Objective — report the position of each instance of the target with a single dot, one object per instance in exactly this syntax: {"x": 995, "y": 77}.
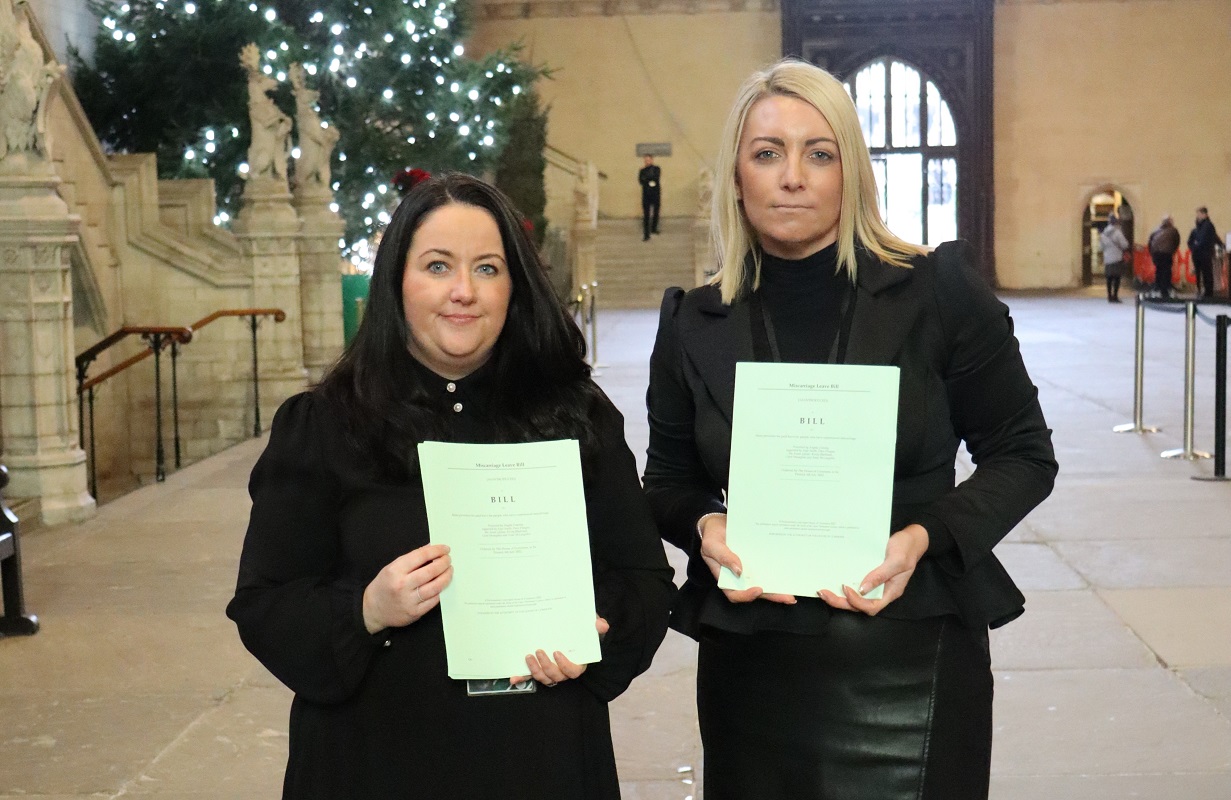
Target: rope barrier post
{"x": 81, "y": 373}
{"x": 160, "y": 455}
{"x": 1187, "y": 453}
{"x": 595, "y": 364}
{"x": 93, "y": 464}
{"x": 175, "y": 398}
{"x": 256, "y": 384}
{"x": 1136, "y": 425}
{"x": 1220, "y": 402}
{"x": 579, "y": 307}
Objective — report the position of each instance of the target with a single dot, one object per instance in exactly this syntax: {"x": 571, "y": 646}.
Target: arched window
{"x": 913, "y": 141}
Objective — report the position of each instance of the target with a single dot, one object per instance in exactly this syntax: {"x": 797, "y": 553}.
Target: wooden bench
{"x": 15, "y": 622}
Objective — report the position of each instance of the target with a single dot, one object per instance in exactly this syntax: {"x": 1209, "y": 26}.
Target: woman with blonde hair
{"x": 843, "y": 696}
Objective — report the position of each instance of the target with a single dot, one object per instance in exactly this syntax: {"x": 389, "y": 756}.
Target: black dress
{"x": 376, "y": 716}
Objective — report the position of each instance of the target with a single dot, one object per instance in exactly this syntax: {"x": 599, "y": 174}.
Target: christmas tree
{"x": 392, "y": 76}
{"x": 519, "y": 171}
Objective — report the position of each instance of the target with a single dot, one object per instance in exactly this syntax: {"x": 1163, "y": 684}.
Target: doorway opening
{"x": 1098, "y": 210}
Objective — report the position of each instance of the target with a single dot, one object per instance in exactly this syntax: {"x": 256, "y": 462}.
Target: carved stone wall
{"x": 268, "y": 230}
{"x": 320, "y": 285}
{"x": 38, "y": 427}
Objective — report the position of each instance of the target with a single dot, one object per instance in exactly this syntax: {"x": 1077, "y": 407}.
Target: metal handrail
{"x": 278, "y": 314}
{"x": 571, "y": 164}
{"x": 158, "y": 338}
{"x": 87, "y": 356}
{"x": 253, "y": 315}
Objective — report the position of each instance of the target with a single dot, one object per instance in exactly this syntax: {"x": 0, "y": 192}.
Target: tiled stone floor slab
{"x": 655, "y": 729}
{"x": 106, "y": 541}
{"x": 1169, "y": 560}
{"x": 1036, "y": 566}
{"x": 1067, "y": 630}
{"x": 124, "y": 653}
{"x": 655, "y": 790}
{"x": 1212, "y": 683}
{"x": 1131, "y": 508}
{"x": 1171, "y": 786}
{"x": 82, "y": 743}
{"x": 144, "y": 588}
{"x": 1105, "y": 721}
{"x": 239, "y": 746}
{"x": 1185, "y": 627}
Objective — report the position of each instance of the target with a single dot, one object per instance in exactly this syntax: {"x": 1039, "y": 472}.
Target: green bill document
{"x": 811, "y": 481}
{"x": 514, "y": 517}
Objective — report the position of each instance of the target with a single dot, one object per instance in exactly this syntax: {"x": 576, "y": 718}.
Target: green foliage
{"x": 166, "y": 78}
{"x": 519, "y": 170}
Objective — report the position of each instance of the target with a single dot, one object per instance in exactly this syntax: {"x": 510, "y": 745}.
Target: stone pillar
{"x": 584, "y": 239}
{"x": 268, "y": 230}
{"x": 38, "y": 398}
{"x": 704, "y": 259}
{"x": 320, "y": 280}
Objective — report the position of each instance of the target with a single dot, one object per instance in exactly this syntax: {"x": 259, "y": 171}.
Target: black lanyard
{"x": 765, "y": 342}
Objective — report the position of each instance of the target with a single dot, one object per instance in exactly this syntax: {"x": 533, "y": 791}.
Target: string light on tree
{"x": 382, "y": 69}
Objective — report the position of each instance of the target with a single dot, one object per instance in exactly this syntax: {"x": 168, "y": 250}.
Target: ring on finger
{"x": 419, "y": 595}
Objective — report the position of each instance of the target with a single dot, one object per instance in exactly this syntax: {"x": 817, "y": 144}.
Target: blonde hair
{"x": 859, "y": 221}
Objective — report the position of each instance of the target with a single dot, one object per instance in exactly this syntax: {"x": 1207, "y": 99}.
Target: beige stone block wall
{"x": 1135, "y": 95}
{"x": 621, "y": 80}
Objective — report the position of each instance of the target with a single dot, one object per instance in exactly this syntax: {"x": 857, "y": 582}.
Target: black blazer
{"x": 962, "y": 379}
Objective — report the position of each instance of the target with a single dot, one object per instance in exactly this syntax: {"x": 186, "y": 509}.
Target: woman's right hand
{"x": 407, "y": 588}
{"x": 716, "y": 554}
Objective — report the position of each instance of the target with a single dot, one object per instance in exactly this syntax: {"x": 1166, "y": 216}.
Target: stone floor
{"x": 1115, "y": 684}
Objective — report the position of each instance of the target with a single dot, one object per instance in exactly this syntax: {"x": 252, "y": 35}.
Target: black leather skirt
{"x": 872, "y": 709}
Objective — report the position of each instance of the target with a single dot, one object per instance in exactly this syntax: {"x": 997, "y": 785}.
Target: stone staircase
{"x": 633, "y": 273}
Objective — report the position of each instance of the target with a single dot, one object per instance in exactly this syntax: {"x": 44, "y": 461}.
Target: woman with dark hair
{"x": 842, "y": 696}
{"x": 463, "y": 340}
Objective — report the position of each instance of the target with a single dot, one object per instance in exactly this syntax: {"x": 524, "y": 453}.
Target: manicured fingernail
{"x": 864, "y": 589}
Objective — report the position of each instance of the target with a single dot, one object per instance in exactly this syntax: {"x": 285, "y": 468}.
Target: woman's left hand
{"x": 902, "y": 554}
{"x": 548, "y": 672}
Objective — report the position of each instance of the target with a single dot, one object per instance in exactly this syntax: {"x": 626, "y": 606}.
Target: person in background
{"x": 1201, "y": 242}
{"x": 1115, "y": 256}
{"x": 840, "y": 696}
{"x": 650, "y": 178}
{"x": 338, "y": 591}
{"x": 1163, "y": 243}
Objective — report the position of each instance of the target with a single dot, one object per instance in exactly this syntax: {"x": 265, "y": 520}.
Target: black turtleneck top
{"x": 802, "y": 300}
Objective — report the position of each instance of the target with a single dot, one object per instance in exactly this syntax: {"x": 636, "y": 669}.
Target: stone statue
{"x": 271, "y": 129}
{"x": 705, "y": 193}
{"x": 25, "y": 80}
{"x": 316, "y": 139}
{"x": 585, "y": 195}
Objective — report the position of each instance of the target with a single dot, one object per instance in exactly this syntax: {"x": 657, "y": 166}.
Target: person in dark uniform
{"x": 1201, "y": 244}
{"x": 650, "y": 178}
{"x": 464, "y": 340}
